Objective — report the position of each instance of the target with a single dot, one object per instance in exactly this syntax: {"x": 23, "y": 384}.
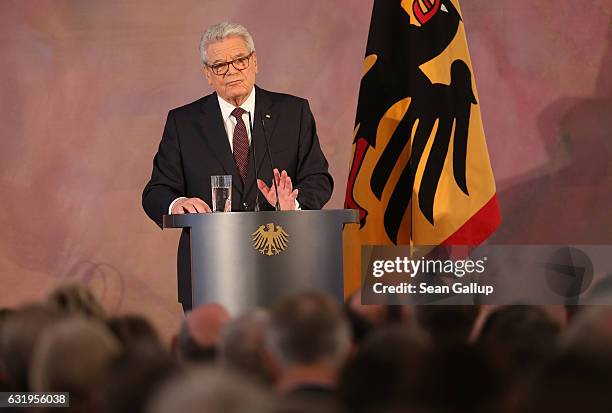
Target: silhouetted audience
{"x": 382, "y": 375}
{"x": 133, "y": 330}
{"x": 458, "y": 378}
{"x": 71, "y": 356}
{"x": 4, "y": 385}
{"x": 134, "y": 377}
{"x": 198, "y": 338}
{"x": 301, "y": 357}
{"x": 574, "y": 381}
{"x": 209, "y": 391}
{"x": 522, "y": 337}
{"x": 447, "y": 324}
{"x": 77, "y": 299}
{"x": 308, "y": 341}
{"x": 365, "y": 319}
{"x": 242, "y": 346}
{"x": 20, "y": 333}
{"x": 590, "y": 331}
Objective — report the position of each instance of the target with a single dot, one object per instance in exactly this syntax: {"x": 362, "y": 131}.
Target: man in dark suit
{"x": 212, "y": 136}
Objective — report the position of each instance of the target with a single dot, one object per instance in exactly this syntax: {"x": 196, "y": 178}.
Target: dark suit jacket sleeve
{"x": 167, "y": 181}
{"x": 313, "y": 180}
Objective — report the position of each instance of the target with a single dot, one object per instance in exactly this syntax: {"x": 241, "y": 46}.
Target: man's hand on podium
{"x": 286, "y": 194}
{"x": 190, "y": 206}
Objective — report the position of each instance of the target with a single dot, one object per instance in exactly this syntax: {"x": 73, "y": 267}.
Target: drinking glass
{"x": 221, "y": 193}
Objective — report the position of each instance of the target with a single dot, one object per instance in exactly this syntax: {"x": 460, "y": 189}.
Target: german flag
{"x": 420, "y": 171}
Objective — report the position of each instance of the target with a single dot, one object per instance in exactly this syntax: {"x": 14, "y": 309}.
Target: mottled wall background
{"x": 85, "y": 87}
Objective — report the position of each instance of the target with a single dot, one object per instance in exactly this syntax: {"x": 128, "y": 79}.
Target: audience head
{"x": 524, "y": 336}
{"x": 298, "y": 405}
{"x": 77, "y": 299}
{"x": 458, "y": 378}
{"x": 210, "y": 391}
{"x": 70, "y": 357}
{"x": 601, "y": 291}
{"x": 307, "y": 329}
{"x": 381, "y": 376}
{"x": 364, "y": 319}
{"x": 599, "y": 294}
{"x": 521, "y": 361}
{"x": 4, "y": 313}
{"x": 574, "y": 381}
{"x": 133, "y": 330}
{"x": 590, "y": 331}
{"x": 134, "y": 378}
{"x": 242, "y": 345}
{"x": 199, "y": 335}
{"x": 447, "y": 324}
{"x": 20, "y": 332}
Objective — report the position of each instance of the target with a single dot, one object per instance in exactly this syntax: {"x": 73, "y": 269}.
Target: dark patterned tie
{"x": 240, "y": 141}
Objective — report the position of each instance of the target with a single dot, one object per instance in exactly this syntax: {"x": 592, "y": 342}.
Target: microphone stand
{"x": 263, "y": 126}
{"x": 256, "y": 209}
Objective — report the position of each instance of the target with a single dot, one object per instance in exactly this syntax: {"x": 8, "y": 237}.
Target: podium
{"x": 252, "y": 259}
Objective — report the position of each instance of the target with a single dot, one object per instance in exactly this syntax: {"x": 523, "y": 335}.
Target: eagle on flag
{"x": 420, "y": 171}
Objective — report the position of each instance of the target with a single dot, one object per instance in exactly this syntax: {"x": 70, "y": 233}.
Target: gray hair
{"x": 70, "y": 356}
{"x": 308, "y": 328}
{"x": 221, "y": 31}
{"x": 242, "y": 343}
{"x": 208, "y": 390}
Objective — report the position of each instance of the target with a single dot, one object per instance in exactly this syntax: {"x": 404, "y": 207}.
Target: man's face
{"x": 235, "y": 85}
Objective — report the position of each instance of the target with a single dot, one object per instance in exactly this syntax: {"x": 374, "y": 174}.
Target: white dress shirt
{"x": 230, "y": 122}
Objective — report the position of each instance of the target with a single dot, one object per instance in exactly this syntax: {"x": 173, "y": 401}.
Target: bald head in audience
{"x": 200, "y": 331}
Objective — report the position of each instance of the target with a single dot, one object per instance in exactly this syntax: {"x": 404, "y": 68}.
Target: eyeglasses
{"x": 239, "y": 64}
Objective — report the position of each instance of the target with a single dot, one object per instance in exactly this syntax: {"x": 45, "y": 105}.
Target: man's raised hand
{"x": 286, "y": 194}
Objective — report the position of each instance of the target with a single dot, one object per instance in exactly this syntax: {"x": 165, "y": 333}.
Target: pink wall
{"x": 86, "y": 86}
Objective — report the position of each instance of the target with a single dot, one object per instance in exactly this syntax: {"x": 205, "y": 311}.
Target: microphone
{"x": 263, "y": 126}
{"x": 256, "y": 209}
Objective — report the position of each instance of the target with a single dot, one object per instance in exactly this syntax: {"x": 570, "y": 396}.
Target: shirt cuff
{"x": 180, "y": 197}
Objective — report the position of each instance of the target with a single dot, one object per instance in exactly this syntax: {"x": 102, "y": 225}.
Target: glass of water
{"x": 221, "y": 193}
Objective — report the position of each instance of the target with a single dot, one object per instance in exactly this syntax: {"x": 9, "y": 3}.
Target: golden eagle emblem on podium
{"x": 270, "y": 239}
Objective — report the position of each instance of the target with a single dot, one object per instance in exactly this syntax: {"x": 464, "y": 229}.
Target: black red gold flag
{"x": 420, "y": 171}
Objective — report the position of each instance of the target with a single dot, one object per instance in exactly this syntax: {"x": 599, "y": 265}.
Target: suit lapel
{"x": 263, "y": 110}
{"x": 215, "y": 135}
